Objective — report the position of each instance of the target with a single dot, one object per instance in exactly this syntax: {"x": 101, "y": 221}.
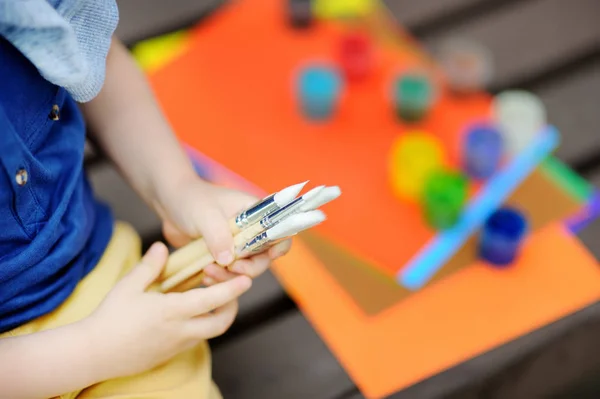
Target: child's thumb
{"x": 150, "y": 267}
{"x": 214, "y": 227}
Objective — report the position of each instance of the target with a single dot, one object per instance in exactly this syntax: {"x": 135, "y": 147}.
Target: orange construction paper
{"x": 231, "y": 97}
{"x": 453, "y": 320}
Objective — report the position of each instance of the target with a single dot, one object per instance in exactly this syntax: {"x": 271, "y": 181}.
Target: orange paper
{"x": 451, "y": 321}
{"x": 231, "y": 97}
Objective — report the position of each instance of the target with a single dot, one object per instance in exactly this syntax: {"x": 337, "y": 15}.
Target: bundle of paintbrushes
{"x": 269, "y": 221}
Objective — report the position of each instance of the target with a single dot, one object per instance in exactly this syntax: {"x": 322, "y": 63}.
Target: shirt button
{"x": 21, "y": 177}
{"x": 55, "y": 113}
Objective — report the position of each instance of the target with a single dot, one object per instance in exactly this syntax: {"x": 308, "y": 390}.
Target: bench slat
{"x": 572, "y": 103}
{"x": 412, "y": 13}
{"x": 283, "y": 359}
{"x": 528, "y": 38}
{"x": 141, "y": 19}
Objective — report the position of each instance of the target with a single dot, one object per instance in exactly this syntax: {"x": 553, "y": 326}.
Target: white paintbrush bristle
{"x": 311, "y": 194}
{"x": 295, "y": 223}
{"x": 324, "y": 196}
{"x": 287, "y": 195}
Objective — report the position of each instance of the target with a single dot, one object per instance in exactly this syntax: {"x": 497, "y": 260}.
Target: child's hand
{"x": 202, "y": 209}
{"x": 137, "y": 330}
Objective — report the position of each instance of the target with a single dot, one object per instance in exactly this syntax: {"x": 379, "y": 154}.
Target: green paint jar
{"x": 444, "y": 198}
{"x": 413, "y": 96}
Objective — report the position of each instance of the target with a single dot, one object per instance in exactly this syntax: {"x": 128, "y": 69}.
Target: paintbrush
{"x": 320, "y": 196}
{"x": 286, "y": 228}
{"x": 265, "y": 206}
{"x": 245, "y": 219}
{"x": 311, "y": 200}
{"x": 198, "y": 249}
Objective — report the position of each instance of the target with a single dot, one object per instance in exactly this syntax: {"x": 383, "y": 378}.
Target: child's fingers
{"x": 213, "y": 324}
{"x": 149, "y": 268}
{"x": 253, "y": 266}
{"x": 199, "y": 301}
{"x": 174, "y": 236}
{"x": 218, "y": 273}
{"x": 214, "y": 226}
{"x": 280, "y": 249}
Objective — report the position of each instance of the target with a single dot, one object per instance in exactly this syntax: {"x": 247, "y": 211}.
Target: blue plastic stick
{"x": 442, "y": 247}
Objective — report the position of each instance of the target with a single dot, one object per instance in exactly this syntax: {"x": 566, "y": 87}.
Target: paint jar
{"x": 413, "y": 157}
{"x": 356, "y": 55}
{"x": 482, "y": 151}
{"x": 520, "y": 116}
{"x": 300, "y": 13}
{"x": 319, "y": 89}
{"x": 444, "y": 197}
{"x": 467, "y": 65}
{"x": 413, "y": 96}
{"x": 502, "y": 236}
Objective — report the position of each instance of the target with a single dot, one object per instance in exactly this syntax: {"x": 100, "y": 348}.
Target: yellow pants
{"x": 186, "y": 376}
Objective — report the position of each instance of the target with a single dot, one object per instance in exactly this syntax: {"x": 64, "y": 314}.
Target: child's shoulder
{"x": 67, "y": 40}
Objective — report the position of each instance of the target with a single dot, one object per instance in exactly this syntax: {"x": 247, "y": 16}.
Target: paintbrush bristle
{"x": 324, "y": 196}
{"x": 311, "y": 194}
{"x": 287, "y": 195}
{"x": 295, "y": 223}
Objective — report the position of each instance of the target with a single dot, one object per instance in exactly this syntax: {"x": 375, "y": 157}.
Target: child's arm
{"x": 128, "y": 125}
{"x": 131, "y": 331}
{"x": 49, "y": 363}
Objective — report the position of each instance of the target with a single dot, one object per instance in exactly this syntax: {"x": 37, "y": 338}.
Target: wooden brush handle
{"x": 190, "y": 252}
{"x": 194, "y": 257}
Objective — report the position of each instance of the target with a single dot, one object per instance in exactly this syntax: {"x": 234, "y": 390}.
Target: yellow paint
{"x": 152, "y": 54}
{"x": 343, "y": 8}
{"x": 413, "y": 157}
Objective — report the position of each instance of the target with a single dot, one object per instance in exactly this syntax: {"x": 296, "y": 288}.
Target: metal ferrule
{"x": 272, "y": 219}
{"x": 256, "y": 212}
{"x": 250, "y": 246}
{"x": 248, "y": 250}
{"x": 269, "y": 244}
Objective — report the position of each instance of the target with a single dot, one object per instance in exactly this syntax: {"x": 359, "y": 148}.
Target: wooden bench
{"x": 551, "y": 47}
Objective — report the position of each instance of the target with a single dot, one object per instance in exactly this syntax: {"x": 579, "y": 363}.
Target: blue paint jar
{"x": 502, "y": 236}
{"x": 319, "y": 89}
{"x": 482, "y": 151}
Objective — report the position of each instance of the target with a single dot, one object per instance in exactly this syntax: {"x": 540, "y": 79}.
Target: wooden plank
{"x": 553, "y": 367}
{"x": 414, "y": 14}
{"x": 282, "y": 359}
{"x": 264, "y": 292}
{"x": 537, "y": 365}
{"x": 572, "y": 103}
{"x": 529, "y": 38}
{"x": 140, "y": 19}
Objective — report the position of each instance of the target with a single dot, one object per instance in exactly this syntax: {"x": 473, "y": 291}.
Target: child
{"x": 76, "y": 319}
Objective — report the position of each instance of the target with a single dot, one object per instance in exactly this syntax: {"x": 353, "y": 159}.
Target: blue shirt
{"x": 52, "y": 229}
